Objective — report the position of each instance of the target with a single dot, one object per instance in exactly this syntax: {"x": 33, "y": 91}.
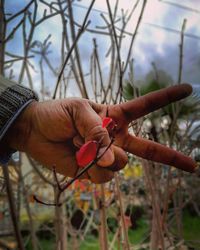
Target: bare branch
{"x": 35, "y": 167}
{"x": 116, "y": 40}
{"x": 181, "y": 52}
{"x": 10, "y": 36}
{"x": 84, "y": 25}
{"x": 24, "y": 10}
{"x": 12, "y": 208}
{"x": 134, "y": 35}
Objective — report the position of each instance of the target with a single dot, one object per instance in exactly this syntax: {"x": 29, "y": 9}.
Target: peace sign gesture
{"x": 53, "y": 131}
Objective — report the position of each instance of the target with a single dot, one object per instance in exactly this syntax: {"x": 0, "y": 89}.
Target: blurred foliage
{"x": 156, "y": 81}
{"x": 133, "y": 171}
{"x": 191, "y": 227}
{"x": 128, "y": 91}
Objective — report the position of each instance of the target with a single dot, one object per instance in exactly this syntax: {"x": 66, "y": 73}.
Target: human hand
{"x": 51, "y": 132}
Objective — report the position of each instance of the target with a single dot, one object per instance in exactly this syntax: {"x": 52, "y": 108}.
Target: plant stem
{"x": 12, "y": 208}
{"x": 103, "y": 225}
{"x": 124, "y": 229}
{"x": 81, "y": 30}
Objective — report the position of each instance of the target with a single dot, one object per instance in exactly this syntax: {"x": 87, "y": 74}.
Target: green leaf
{"x": 128, "y": 91}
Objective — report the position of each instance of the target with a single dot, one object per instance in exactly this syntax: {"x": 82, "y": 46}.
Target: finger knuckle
{"x": 96, "y": 133}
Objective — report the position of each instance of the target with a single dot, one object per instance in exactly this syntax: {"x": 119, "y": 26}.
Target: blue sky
{"x": 156, "y": 41}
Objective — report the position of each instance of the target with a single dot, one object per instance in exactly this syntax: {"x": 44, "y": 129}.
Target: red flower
{"x": 86, "y": 154}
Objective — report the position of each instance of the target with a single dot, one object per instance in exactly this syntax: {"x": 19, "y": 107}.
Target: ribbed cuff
{"x": 12, "y": 101}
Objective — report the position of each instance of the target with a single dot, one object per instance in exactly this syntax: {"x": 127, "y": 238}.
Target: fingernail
{"x": 107, "y": 159}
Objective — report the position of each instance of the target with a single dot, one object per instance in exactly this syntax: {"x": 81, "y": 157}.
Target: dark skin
{"x": 51, "y": 132}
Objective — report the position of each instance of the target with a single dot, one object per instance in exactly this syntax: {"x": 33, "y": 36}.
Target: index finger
{"x": 153, "y": 101}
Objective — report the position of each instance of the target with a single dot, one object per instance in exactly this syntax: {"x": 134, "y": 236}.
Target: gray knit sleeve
{"x": 13, "y": 99}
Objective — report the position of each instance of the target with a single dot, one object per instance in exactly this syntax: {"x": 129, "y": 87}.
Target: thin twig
{"x": 81, "y": 30}
{"x": 111, "y": 73}
{"x": 76, "y": 48}
{"x": 68, "y": 183}
{"x": 20, "y": 12}
{"x": 12, "y": 33}
{"x": 56, "y": 178}
{"x": 98, "y": 65}
{"x": 12, "y": 208}
{"x": 181, "y": 51}
{"x": 65, "y": 41}
{"x": 27, "y": 40}
{"x": 88, "y": 166}
{"x": 3, "y": 27}
{"x": 116, "y": 43}
{"x": 34, "y": 165}
{"x": 134, "y": 35}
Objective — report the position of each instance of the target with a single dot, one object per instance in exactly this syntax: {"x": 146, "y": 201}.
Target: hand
{"x": 51, "y": 132}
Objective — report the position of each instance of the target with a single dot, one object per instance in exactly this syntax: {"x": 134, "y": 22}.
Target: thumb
{"x": 89, "y": 125}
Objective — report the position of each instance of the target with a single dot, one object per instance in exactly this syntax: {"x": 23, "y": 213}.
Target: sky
{"x": 157, "y": 41}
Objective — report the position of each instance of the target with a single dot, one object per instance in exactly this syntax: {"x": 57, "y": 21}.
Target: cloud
{"x": 153, "y": 43}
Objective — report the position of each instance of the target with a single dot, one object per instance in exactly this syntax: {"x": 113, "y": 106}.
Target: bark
{"x": 60, "y": 226}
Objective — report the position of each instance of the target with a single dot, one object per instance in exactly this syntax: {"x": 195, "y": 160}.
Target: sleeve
{"x": 13, "y": 99}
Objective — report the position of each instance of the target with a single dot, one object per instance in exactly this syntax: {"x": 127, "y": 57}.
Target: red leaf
{"x": 106, "y": 122}
{"x": 86, "y": 153}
